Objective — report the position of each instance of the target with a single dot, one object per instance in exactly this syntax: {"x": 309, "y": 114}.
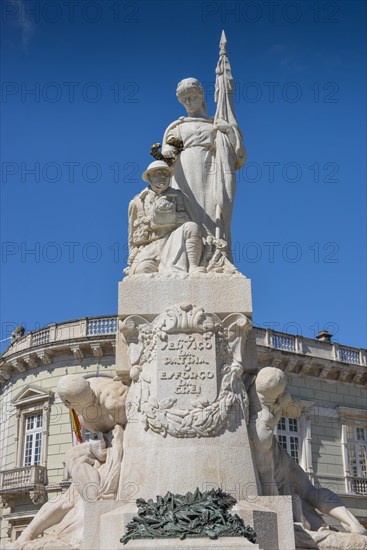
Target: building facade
{"x": 329, "y": 440}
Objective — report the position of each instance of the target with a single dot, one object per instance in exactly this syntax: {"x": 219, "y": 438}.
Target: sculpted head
{"x": 271, "y": 383}
{"x": 191, "y": 94}
{"x": 158, "y": 174}
{"x": 74, "y": 391}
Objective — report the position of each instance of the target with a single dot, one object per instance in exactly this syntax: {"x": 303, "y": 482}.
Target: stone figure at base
{"x": 281, "y": 475}
{"x": 162, "y": 235}
{"x": 92, "y": 466}
{"x": 292, "y": 479}
{"x": 270, "y": 401}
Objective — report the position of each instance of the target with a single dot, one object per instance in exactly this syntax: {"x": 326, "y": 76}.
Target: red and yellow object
{"x": 77, "y": 427}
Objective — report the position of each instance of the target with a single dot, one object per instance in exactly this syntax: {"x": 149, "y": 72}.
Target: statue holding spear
{"x": 230, "y": 152}
{"x": 205, "y": 151}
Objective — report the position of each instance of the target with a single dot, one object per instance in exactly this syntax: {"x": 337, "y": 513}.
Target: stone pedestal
{"x": 111, "y": 526}
{"x": 184, "y": 343}
{"x": 272, "y": 520}
{"x": 270, "y": 517}
{"x": 94, "y": 532}
{"x": 223, "y": 543}
{"x": 187, "y": 345}
{"x": 149, "y": 296}
{"x": 153, "y": 465}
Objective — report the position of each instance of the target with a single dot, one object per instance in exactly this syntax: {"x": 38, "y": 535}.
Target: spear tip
{"x": 223, "y": 42}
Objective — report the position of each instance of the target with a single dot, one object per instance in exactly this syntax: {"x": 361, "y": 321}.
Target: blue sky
{"x": 104, "y": 75}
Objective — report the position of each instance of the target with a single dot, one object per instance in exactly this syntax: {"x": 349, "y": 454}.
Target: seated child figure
{"x": 162, "y": 236}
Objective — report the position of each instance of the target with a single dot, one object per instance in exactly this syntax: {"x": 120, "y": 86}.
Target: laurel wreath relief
{"x": 204, "y": 419}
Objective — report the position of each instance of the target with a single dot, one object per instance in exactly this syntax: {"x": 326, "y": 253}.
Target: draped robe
{"x": 205, "y": 169}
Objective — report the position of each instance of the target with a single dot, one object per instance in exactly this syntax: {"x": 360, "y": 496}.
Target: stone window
{"x": 357, "y": 446}
{"x": 294, "y": 435}
{"x": 33, "y": 439}
{"x": 32, "y": 407}
{"x": 354, "y": 449}
{"x": 289, "y": 437}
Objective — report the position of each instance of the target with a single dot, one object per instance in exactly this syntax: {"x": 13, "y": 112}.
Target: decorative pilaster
{"x": 345, "y": 454}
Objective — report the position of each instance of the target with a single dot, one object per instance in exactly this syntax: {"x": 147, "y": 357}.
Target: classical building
{"x": 329, "y": 441}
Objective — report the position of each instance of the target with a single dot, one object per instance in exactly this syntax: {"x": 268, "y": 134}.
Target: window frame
{"x": 352, "y": 419}
{"x": 32, "y": 433}
{"x": 290, "y": 434}
{"x": 32, "y": 400}
{"x": 358, "y": 468}
{"x": 305, "y": 437}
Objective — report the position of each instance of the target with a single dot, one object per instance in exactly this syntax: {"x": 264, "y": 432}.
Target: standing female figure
{"x": 203, "y": 171}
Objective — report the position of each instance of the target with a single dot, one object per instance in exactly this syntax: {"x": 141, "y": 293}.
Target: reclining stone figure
{"x": 280, "y": 474}
{"x": 92, "y": 466}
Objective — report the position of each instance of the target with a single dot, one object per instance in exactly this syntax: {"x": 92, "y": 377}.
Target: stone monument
{"x": 189, "y": 419}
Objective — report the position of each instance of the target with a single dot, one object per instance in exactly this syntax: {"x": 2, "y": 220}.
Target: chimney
{"x": 324, "y": 336}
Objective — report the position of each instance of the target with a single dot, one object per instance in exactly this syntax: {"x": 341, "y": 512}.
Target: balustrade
{"x": 106, "y": 325}
{"x": 359, "y": 485}
{"x": 287, "y": 343}
{"x": 20, "y": 478}
{"x": 349, "y": 356}
{"x": 307, "y": 346}
{"x": 41, "y": 337}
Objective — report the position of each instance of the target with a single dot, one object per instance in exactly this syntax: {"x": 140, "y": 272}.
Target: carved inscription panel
{"x": 186, "y": 368}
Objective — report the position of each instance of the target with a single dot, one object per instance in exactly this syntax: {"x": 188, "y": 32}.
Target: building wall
{"x": 326, "y": 431}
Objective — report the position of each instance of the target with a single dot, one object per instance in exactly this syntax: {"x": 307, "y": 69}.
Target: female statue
{"x": 211, "y": 151}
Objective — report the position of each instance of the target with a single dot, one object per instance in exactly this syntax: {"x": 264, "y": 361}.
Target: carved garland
{"x": 204, "y": 419}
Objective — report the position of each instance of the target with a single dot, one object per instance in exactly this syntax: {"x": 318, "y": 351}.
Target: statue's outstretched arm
{"x": 49, "y": 515}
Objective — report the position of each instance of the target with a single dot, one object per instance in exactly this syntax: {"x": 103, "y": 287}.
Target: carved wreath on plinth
{"x": 202, "y": 418}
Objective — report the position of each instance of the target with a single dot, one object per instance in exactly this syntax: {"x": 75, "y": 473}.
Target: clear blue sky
{"x": 104, "y": 75}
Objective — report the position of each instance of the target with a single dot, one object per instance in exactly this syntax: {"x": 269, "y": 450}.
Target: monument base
{"x": 150, "y": 294}
{"x": 94, "y": 533}
{"x": 272, "y": 520}
{"x": 270, "y": 517}
{"x": 187, "y": 345}
{"x": 202, "y": 462}
{"x": 223, "y": 543}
